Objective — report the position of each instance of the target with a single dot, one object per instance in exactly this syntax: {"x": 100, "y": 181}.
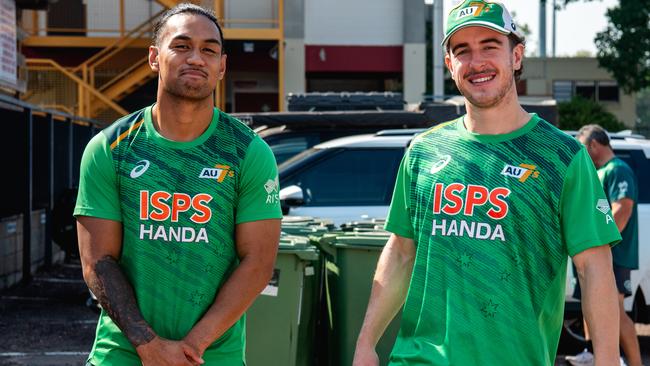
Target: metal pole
{"x": 27, "y": 209}
{"x": 554, "y": 26}
{"x": 281, "y": 99}
{"x": 50, "y": 193}
{"x": 542, "y": 28}
{"x": 438, "y": 68}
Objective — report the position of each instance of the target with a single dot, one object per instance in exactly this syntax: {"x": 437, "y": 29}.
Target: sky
{"x": 577, "y": 23}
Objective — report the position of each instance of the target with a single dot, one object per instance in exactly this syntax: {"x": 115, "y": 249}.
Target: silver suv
{"x": 347, "y": 179}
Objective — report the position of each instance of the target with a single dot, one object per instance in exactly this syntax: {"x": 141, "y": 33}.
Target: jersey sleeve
{"x": 621, "y": 184}
{"x": 259, "y": 186}
{"x": 399, "y": 214}
{"x": 585, "y": 215}
{"x": 98, "y": 193}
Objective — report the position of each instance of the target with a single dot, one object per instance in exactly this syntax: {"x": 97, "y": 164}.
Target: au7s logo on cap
{"x": 474, "y": 9}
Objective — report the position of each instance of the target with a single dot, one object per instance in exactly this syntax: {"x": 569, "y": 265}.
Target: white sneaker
{"x": 623, "y": 362}
{"x": 584, "y": 358}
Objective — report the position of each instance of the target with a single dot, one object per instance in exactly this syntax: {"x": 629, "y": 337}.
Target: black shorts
{"x": 623, "y": 282}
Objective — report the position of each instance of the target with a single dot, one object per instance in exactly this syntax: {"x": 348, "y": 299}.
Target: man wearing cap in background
{"x": 485, "y": 211}
{"x": 620, "y": 186}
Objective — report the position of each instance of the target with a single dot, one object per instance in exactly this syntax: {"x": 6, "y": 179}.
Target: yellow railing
{"x": 122, "y": 66}
{"x": 53, "y": 85}
{"x": 34, "y": 23}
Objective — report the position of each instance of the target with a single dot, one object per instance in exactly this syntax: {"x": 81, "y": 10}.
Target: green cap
{"x": 480, "y": 13}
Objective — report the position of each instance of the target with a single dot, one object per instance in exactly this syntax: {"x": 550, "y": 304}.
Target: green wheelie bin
{"x": 351, "y": 259}
{"x": 280, "y": 325}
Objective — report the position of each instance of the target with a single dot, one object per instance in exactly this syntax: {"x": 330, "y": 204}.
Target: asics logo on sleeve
{"x": 139, "y": 168}
{"x": 440, "y": 164}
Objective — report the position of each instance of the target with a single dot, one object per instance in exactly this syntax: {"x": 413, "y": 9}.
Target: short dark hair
{"x": 181, "y": 9}
{"x": 594, "y": 132}
{"x": 514, "y": 41}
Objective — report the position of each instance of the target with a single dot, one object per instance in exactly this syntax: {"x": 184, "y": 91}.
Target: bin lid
{"x": 296, "y": 219}
{"x": 298, "y": 245}
{"x": 377, "y": 241}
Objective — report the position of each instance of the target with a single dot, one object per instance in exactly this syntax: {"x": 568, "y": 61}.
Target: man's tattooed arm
{"x": 116, "y": 296}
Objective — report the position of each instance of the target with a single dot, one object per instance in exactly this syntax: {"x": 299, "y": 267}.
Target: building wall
{"x": 263, "y": 10}
{"x": 358, "y": 22}
{"x": 294, "y": 47}
{"x": 540, "y": 74}
{"x": 105, "y": 14}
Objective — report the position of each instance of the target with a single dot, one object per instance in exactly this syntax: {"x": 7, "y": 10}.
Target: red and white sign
{"x": 8, "y": 52}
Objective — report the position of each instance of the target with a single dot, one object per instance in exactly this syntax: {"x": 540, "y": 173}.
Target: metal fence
{"x": 41, "y": 164}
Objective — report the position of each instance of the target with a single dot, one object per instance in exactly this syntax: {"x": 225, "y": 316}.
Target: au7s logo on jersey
{"x": 219, "y": 172}
{"x": 521, "y": 172}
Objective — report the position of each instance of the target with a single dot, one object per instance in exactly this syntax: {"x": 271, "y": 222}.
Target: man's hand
{"x": 365, "y": 356}
{"x": 164, "y": 352}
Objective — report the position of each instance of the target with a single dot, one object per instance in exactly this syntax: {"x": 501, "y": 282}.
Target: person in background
{"x": 620, "y": 186}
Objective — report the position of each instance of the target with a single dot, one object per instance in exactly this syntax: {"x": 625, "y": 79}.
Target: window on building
{"x": 586, "y": 89}
{"x": 562, "y": 90}
{"x": 603, "y": 91}
{"x": 608, "y": 91}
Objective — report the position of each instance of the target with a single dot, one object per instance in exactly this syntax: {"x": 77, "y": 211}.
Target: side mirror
{"x": 292, "y": 196}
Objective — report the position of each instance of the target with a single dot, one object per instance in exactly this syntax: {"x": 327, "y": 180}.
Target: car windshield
{"x": 296, "y": 158}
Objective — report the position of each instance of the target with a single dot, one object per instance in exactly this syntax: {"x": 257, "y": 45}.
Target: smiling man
{"x": 485, "y": 212}
{"x": 177, "y": 235}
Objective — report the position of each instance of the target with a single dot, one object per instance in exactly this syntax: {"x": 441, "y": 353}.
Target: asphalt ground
{"x": 47, "y": 322}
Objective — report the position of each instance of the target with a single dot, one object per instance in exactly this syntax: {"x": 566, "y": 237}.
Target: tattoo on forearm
{"x": 116, "y": 296}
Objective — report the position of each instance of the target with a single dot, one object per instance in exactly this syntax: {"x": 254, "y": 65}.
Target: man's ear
{"x": 222, "y": 70}
{"x": 153, "y": 58}
{"x": 449, "y": 65}
{"x": 518, "y": 56}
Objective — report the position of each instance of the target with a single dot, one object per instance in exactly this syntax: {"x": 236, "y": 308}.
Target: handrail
{"x": 80, "y": 82}
{"x": 123, "y": 73}
{"x": 120, "y": 43}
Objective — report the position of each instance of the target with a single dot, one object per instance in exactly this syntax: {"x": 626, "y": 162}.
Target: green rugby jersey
{"x": 178, "y": 203}
{"x": 493, "y": 218}
{"x": 619, "y": 182}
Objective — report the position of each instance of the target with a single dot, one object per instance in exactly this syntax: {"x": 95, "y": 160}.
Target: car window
{"x": 641, "y": 167}
{"x": 351, "y": 177}
{"x": 289, "y": 147}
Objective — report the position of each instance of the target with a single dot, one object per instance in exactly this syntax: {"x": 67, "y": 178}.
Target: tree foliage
{"x": 624, "y": 47}
{"x": 580, "y": 111}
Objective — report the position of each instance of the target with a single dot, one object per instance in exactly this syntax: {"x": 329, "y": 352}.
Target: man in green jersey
{"x": 178, "y": 212}
{"x": 620, "y": 186}
{"x": 485, "y": 211}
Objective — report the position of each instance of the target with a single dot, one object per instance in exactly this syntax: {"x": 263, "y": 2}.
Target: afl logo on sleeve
{"x": 139, "y": 169}
{"x": 603, "y": 206}
{"x": 272, "y": 187}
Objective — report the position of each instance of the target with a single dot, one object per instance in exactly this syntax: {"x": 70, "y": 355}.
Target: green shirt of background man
{"x": 619, "y": 182}
{"x": 178, "y": 203}
{"x": 493, "y": 218}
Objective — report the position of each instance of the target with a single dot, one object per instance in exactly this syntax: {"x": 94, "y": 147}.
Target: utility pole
{"x": 542, "y": 28}
{"x": 438, "y": 70}
{"x": 554, "y": 26}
